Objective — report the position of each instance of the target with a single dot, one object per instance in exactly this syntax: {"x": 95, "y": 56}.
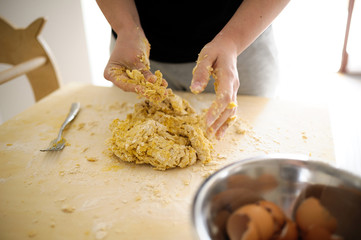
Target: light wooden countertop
{"x": 83, "y": 192}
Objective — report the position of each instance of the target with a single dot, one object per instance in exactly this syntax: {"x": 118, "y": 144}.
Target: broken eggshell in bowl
{"x": 280, "y": 184}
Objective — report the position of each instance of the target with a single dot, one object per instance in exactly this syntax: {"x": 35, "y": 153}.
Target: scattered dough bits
{"x": 232, "y": 105}
{"x": 92, "y": 159}
{"x": 155, "y": 92}
{"x": 67, "y": 209}
{"x": 165, "y": 134}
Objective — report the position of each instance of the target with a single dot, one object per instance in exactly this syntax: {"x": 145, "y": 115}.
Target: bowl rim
{"x": 200, "y": 229}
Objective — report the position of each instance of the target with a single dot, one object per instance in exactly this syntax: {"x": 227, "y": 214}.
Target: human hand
{"x": 131, "y": 52}
{"x": 219, "y": 59}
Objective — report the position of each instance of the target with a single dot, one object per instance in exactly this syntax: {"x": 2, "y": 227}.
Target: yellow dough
{"x": 165, "y": 134}
{"x": 155, "y": 92}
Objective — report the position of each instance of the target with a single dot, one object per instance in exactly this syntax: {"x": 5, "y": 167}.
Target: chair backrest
{"x": 29, "y": 55}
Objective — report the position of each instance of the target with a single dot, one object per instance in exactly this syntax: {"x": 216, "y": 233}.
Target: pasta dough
{"x": 155, "y": 92}
{"x": 165, "y": 134}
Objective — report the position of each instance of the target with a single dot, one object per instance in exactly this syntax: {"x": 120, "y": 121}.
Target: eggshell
{"x": 311, "y": 213}
{"x": 276, "y": 213}
{"x": 260, "y": 217}
{"x": 232, "y": 199}
{"x": 218, "y": 225}
{"x": 266, "y": 182}
{"x": 239, "y": 227}
{"x": 288, "y": 232}
{"x": 242, "y": 181}
{"x": 317, "y": 233}
{"x": 336, "y": 237}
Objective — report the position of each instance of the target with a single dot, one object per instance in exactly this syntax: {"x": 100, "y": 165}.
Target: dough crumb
{"x": 67, "y": 209}
{"x": 84, "y": 150}
{"x": 32, "y": 234}
{"x": 100, "y": 230}
{"x": 304, "y": 137}
{"x": 92, "y": 159}
{"x": 81, "y": 126}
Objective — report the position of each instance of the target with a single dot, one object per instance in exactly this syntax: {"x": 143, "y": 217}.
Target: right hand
{"x": 219, "y": 58}
{"x": 131, "y": 51}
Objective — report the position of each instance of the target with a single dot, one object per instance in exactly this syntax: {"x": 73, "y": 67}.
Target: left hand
{"x": 219, "y": 59}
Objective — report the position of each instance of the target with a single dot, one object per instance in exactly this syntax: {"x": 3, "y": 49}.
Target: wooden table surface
{"x": 83, "y": 192}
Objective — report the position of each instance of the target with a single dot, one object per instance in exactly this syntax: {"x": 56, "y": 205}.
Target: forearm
{"x": 250, "y": 20}
{"x": 121, "y": 14}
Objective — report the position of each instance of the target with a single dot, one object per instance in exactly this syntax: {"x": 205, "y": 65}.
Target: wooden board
{"x": 83, "y": 192}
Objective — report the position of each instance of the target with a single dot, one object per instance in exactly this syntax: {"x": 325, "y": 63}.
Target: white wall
{"x": 65, "y": 35}
{"x": 309, "y": 35}
{"x": 98, "y": 33}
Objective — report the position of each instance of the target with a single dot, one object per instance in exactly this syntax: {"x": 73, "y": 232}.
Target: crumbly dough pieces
{"x": 166, "y": 135}
{"x": 155, "y": 92}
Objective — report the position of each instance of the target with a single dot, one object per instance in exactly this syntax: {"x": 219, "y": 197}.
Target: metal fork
{"x": 59, "y": 142}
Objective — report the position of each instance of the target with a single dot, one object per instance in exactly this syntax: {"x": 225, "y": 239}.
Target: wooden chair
{"x": 29, "y": 55}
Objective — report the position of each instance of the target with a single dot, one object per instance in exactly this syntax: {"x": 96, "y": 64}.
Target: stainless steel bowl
{"x": 286, "y": 181}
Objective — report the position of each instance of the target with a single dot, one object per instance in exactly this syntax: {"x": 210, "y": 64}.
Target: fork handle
{"x": 75, "y": 107}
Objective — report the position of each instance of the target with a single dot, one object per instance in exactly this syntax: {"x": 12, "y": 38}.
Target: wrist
{"x": 126, "y": 25}
{"x": 227, "y": 43}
